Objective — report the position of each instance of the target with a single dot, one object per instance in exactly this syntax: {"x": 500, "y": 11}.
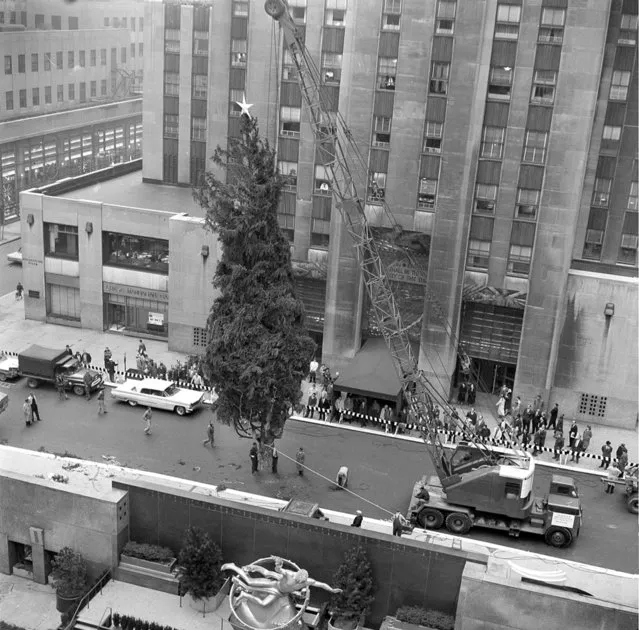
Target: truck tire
{"x": 458, "y": 523}
{"x": 181, "y": 411}
{"x": 430, "y": 518}
{"x": 631, "y": 503}
{"x": 32, "y": 383}
{"x": 78, "y": 390}
{"x": 558, "y": 537}
{"x": 3, "y": 376}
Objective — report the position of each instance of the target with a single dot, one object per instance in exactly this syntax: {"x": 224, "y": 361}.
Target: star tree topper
{"x": 244, "y": 106}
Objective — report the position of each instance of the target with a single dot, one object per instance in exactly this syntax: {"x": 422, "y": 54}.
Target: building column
{"x": 7, "y": 555}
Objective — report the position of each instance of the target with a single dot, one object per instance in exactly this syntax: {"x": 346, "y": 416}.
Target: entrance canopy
{"x": 371, "y": 373}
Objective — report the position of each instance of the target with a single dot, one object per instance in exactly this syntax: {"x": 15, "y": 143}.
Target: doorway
{"x": 116, "y": 316}
{"x": 21, "y": 559}
{"x": 492, "y": 375}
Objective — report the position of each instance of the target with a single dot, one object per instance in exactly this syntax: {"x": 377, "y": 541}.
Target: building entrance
{"x": 116, "y": 316}
{"x": 492, "y": 375}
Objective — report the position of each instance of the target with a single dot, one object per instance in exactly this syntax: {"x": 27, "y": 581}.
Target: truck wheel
{"x": 78, "y": 390}
{"x": 181, "y": 411}
{"x": 3, "y": 376}
{"x": 458, "y": 523}
{"x": 631, "y": 503}
{"x": 430, "y": 518}
{"x": 558, "y": 537}
{"x": 33, "y": 383}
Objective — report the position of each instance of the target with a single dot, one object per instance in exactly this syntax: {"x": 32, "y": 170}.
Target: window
{"x": 63, "y": 301}
{"x": 35, "y": 96}
{"x": 137, "y": 252}
{"x": 83, "y": 92}
{"x": 94, "y": 89}
{"x": 289, "y": 171}
{"x": 522, "y": 239}
{"x": 9, "y": 100}
{"x": 289, "y": 70}
{"x": 58, "y": 60}
{"x": 198, "y": 129}
{"x": 200, "y": 43}
{"x": 56, "y": 22}
{"x": 141, "y": 23}
{"x": 551, "y": 30}
{"x": 601, "y": 192}
{"x": 71, "y": 91}
{"x": 512, "y": 490}
{"x": 47, "y": 95}
{"x": 331, "y": 68}
{"x": 298, "y": 14}
{"x": 427, "y": 193}
{"x": 619, "y": 85}
{"x": 39, "y": 20}
{"x": 235, "y": 97}
{"x": 481, "y": 234}
{"x": 106, "y": 21}
{"x": 508, "y": 13}
{"x": 70, "y": 59}
{"x": 133, "y": 24}
{"x": 433, "y": 137}
{"x": 553, "y": 17}
{"x": 199, "y": 86}
{"x": 1, "y": 17}
{"x": 123, "y": 54}
{"x": 322, "y": 184}
{"x": 8, "y": 65}
{"x": 500, "y": 83}
{"x": 240, "y": 9}
{"x": 632, "y": 196}
{"x": 543, "y": 90}
{"x": 290, "y": 121}
{"x": 171, "y": 125}
{"x": 439, "y": 77}
{"x": 140, "y": 49}
{"x": 34, "y": 62}
{"x": 535, "y": 147}
{"x": 73, "y": 23}
{"x": 21, "y": 64}
{"x": 445, "y": 24}
{"x": 103, "y": 56}
{"x": 238, "y": 53}
{"x": 59, "y": 93}
{"x": 592, "y": 405}
{"x": 485, "y": 198}
{"x": 391, "y": 15}
{"x": 628, "y": 30}
{"x": 335, "y": 12}
{"x": 124, "y": 21}
{"x": 376, "y": 187}
{"x": 171, "y": 40}
{"x": 611, "y": 133}
{"x": 628, "y": 247}
{"x": 103, "y": 87}
{"x": 527, "y": 203}
{"x": 381, "y": 131}
{"x": 61, "y": 241}
{"x": 386, "y": 73}
{"x": 93, "y": 57}
{"x": 47, "y": 62}
{"x": 172, "y": 83}
{"x": 82, "y": 59}
{"x": 595, "y": 233}
{"x": 12, "y": 17}
{"x": 23, "y": 98}
{"x": 492, "y": 145}
{"x": 393, "y": 6}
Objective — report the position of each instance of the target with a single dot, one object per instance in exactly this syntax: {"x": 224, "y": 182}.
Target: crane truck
{"x": 475, "y": 485}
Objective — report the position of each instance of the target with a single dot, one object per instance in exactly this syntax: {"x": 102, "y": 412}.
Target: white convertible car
{"x": 155, "y": 392}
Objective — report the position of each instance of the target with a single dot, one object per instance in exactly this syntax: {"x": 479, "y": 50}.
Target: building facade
{"x": 57, "y": 58}
{"x": 503, "y": 135}
{"x": 94, "y": 260}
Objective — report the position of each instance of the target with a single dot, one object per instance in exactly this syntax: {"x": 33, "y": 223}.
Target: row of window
{"x": 122, "y": 23}
{"x": 49, "y": 62}
{"x": 13, "y": 17}
{"x": 47, "y": 94}
{"x": 172, "y": 127}
{"x": 627, "y": 253}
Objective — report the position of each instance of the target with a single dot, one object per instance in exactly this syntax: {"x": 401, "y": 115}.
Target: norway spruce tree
{"x": 199, "y": 565}
{"x": 258, "y": 350}
{"x": 355, "y": 577}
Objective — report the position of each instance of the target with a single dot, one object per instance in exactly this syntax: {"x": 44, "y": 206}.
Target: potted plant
{"x": 355, "y": 577}
{"x": 69, "y": 577}
{"x": 148, "y": 556}
{"x": 199, "y": 570}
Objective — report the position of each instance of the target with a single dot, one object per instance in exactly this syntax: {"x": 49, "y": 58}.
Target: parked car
{"x": 15, "y": 257}
{"x": 8, "y": 367}
{"x": 155, "y": 392}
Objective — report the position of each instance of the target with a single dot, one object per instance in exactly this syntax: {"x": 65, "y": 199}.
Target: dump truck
{"x": 42, "y": 365}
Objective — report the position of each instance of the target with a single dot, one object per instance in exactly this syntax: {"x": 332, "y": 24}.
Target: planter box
{"x": 392, "y": 623}
{"x": 356, "y": 624}
{"x": 211, "y": 603}
{"x": 148, "y": 564}
{"x": 23, "y": 573}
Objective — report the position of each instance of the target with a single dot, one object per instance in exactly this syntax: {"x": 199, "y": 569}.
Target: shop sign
{"x": 136, "y": 292}
{"x": 156, "y": 319}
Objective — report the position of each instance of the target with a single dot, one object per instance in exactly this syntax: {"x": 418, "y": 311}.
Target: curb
{"x": 11, "y": 239}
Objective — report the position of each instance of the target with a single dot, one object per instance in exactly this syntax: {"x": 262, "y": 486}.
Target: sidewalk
{"x": 27, "y": 604}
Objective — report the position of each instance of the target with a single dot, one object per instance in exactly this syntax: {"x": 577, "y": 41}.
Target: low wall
{"x": 405, "y": 572}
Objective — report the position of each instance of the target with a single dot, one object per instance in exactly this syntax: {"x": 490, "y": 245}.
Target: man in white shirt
{"x": 312, "y": 372}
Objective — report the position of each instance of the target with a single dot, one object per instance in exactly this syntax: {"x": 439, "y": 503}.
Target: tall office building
{"x": 58, "y": 58}
{"x": 501, "y": 133}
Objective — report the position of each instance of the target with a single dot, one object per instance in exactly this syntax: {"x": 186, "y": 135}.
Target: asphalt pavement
{"x": 382, "y": 469}
{"x": 10, "y": 273}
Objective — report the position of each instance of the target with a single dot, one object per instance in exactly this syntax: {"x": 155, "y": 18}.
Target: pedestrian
{"x": 576, "y": 448}
{"x": 61, "y": 386}
{"x": 516, "y": 408}
{"x": 300, "y": 457}
{"x": 141, "y": 348}
{"x": 471, "y": 393}
{"x": 28, "y": 413}
{"x": 34, "y": 408}
{"x": 311, "y": 404}
{"x": 559, "y": 444}
{"x": 357, "y": 521}
{"x": 274, "y": 460}
{"x": 147, "y": 421}
{"x": 461, "y": 394}
{"x": 620, "y": 450}
{"x": 560, "y": 423}
{"x": 613, "y": 474}
{"x": 527, "y": 418}
{"x": 537, "y": 442}
{"x": 572, "y": 433}
{"x": 19, "y": 290}
{"x": 101, "y": 407}
{"x": 472, "y": 416}
{"x": 162, "y": 371}
{"x": 339, "y": 409}
{"x": 606, "y": 451}
{"x": 586, "y": 437}
{"x": 312, "y": 371}
{"x": 68, "y": 350}
{"x": 399, "y": 522}
{"x": 552, "y": 423}
{"x": 107, "y": 357}
{"x": 87, "y": 378}
{"x": 253, "y": 458}
{"x": 517, "y": 425}
{"x": 86, "y": 359}
{"x": 622, "y": 462}
{"x": 210, "y": 435}
{"x": 536, "y": 421}
{"x": 110, "y": 368}
{"x": 323, "y": 405}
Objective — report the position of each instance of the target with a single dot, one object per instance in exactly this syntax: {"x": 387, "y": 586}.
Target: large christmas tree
{"x": 258, "y": 350}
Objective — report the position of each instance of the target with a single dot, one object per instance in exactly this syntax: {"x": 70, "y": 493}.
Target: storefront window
{"x": 61, "y": 240}
{"x": 138, "y": 252}
{"x": 63, "y": 302}
{"x": 137, "y": 315}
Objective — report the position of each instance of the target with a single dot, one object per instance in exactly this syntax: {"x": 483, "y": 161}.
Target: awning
{"x": 371, "y": 372}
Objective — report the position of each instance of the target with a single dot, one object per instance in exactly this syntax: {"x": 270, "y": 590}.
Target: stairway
{"x": 146, "y": 577}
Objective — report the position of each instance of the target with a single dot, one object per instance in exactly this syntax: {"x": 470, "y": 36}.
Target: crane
{"x": 340, "y": 155}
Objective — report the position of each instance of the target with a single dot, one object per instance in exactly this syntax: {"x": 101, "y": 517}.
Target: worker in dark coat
{"x": 357, "y": 521}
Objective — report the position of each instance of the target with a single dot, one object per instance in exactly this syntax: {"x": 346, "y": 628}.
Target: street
{"x": 381, "y": 469}
{"x": 10, "y": 273}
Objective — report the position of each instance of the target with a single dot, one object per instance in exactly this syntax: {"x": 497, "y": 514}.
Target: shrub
{"x": 116, "y": 619}
{"x": 355, "y": 578}
{"x": 199, "y": 565}
{"x": 69, "y": 574}
{"x": 423, "y": 617}
{"x": 152, "y": 553}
